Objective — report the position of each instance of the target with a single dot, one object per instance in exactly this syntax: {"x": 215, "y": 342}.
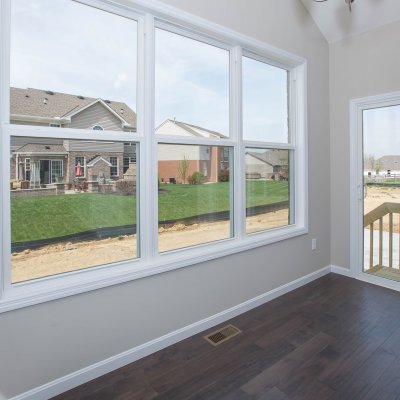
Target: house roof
{"x": 272, "y": 157}
{"x": 391, "y": 162}
{"x": 194, "y": 130}
{"x": 37, "y": 148}
{"x": 95, "y": 160}
{"x": 48, "y": 104}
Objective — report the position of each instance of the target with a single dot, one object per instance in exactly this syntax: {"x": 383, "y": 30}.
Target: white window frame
{"x": 26, "y": 169}
{"x": 114, "y": 166}
{"x": 356, "y": 225}
{"x": 149, "y": 262}
{"x": 84, "y": 166}
{"x": 51, "y": 169}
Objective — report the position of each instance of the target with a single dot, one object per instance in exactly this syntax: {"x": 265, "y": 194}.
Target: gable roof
{"x": 389, "y": 162}
{"x": 38, "y": 148}
{"x": 194, "y": 130}
{"x": 47, "y": 104}
{"x": 96, "y": 160}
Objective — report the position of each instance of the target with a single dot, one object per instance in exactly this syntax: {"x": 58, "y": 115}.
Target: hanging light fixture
{"x": 348, "y": 2}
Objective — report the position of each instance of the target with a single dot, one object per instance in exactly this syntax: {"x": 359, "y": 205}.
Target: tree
{"x": 377, "y": 167}
{"x": 369, "y": 161}
{"x": 183, "y": 168}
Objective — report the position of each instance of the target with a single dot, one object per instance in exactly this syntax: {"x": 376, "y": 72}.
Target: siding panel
{"x": 96, "y": 115}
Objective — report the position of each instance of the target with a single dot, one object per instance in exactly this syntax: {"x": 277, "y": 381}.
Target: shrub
{"x": 224, "y": 175}
{"x": 125, "y": 187}
{"x": 196, "y": 178}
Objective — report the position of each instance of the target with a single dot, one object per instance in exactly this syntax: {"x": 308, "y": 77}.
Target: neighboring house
{"x": 385, "y": 166}
{"x": 209, "y": 160}
{"x": 266, "y": 165}
{"x": 43, "y": 161}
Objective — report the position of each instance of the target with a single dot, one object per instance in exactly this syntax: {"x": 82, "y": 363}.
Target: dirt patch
{"x": 67, "y": 257}
{"x": 378, "y": 195}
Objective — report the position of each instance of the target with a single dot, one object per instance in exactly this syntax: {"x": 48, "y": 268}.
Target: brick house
{"x": 47, "y": 160}
{"x": 44, "y": 161}
{"x": 209, "y": 160}
{"x": 268, "y": 164}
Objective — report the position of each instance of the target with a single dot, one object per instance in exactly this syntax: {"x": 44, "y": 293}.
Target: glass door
{"x": 381, "y": 181}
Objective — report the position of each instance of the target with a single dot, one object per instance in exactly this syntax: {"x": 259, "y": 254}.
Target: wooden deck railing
{"x": 377, "y": 215}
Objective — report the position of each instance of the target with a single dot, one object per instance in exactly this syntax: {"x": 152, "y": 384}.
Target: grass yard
{"x": 53, "y": 216}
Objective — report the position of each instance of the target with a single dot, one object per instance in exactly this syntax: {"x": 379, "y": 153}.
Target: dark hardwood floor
{"x": 335, "y": 338}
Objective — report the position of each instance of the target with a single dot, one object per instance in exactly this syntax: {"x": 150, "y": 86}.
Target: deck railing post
{"x": 381, "y": 242}
{"x": 390, "y": 240}
{"x": 371, "y": 245}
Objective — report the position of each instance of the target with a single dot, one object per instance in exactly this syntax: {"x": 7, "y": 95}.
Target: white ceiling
{"x": 336, "y": 22}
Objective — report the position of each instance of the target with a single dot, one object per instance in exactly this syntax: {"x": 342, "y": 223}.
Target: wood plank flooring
{"x": 335, "y": 338}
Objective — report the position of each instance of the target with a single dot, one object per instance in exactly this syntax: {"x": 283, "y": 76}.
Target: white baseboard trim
{"x": 376, "y": 280}
{"x": 84, "y": 375}
{"x": 342, "y": 271}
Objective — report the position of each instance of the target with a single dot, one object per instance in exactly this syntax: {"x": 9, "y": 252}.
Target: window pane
{"x": 192, "y": 87}
{"x": 69, "y": 214}
{"x": 61, "y": 77}
{"x": 267, "y": 189}
{"x": 265, "y": 102}
{"x": 194, "y": 201}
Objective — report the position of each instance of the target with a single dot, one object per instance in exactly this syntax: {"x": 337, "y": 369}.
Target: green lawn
{"x": 46, "y": 217}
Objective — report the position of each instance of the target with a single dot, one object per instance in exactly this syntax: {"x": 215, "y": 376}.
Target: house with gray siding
{"x": 44, "y": 161}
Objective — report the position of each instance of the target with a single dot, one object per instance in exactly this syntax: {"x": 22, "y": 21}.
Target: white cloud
{"x": 68, "y": 47}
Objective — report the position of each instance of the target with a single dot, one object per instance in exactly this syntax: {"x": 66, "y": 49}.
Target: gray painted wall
{"x": 47, "y": 341}
{"x": 360, "y": 66}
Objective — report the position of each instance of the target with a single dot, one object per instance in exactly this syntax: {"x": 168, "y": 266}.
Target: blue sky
{"x": 381, "y": 129}
{"x": 68, "y": 47}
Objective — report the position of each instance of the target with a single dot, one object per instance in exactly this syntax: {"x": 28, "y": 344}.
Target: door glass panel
{"x": 381, "y": 175}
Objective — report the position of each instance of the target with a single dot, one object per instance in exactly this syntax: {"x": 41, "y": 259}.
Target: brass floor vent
{"x": 222, "y": 335}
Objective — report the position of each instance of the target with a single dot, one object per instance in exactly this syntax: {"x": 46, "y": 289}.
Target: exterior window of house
{"x": 127, "y": 161}
{"x": 27, "y": 169}
{"x": 56, "y": 170}
{"x": 193, "y": 207}
{"x": 223, "y": 171}
{"x": 114, "y": 166}
{"x": 80, "y": 167}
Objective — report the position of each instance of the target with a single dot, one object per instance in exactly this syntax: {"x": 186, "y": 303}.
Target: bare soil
{"x": 377, "y": 196}
{"x": 67, "y": 257}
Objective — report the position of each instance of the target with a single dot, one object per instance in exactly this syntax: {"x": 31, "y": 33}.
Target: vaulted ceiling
{"x": 336, "y": 22}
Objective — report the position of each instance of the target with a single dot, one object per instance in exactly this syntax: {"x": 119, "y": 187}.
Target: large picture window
{"x": 201, "y": 151}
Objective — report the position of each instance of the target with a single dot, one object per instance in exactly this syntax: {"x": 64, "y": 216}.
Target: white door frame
{"x": 357, "y": 106}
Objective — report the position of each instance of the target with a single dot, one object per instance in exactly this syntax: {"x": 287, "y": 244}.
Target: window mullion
{"x": 148, "y": 162}
{"x": 238, "y": 189}
{"x": 5, "y": 273}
